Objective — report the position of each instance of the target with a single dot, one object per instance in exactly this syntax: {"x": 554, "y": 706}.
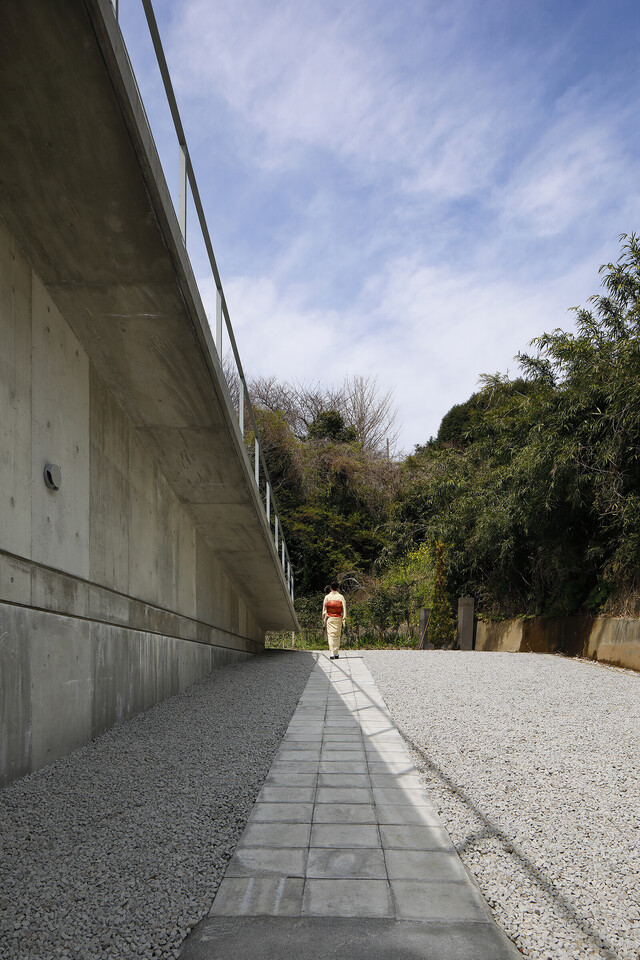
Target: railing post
{"x": 219, "y": 323}
{"x": 241, "y": 406}
{"x": 257, "y": 462}
{"x": 282, "y": 543}
{"x": 182, "y": 190}
{"x": 268, "y": 503}
{"x": 276, "y": 537}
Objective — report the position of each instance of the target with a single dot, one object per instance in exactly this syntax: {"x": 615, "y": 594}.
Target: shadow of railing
{"x": 520, "y": 860}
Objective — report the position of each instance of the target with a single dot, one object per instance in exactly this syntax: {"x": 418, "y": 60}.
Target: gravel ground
{"x": 534, "y": 764}
{"x": 117, "y": 850}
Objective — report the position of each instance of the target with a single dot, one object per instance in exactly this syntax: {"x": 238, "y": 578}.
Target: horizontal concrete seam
{"x": 112, "y": 592}
{"x": 124, "y": 626}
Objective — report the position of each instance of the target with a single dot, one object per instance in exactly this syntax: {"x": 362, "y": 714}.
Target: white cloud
{"x": 428, "y": 334}
{"x": 305, "y": 77}
{"x": 575, "y": 170}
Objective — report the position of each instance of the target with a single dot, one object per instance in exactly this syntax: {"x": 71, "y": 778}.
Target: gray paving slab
{"x": 293, "y": 766}
{"x": 345, "y": 835}
{"x": 352, "y": 863}
{"x": 344, "y": 780}
{"x": 267, "y": 862}
{"x": 413, "y": 837}
{"x": 347, "y": 898}
{"x": 345, "y": 813}
{"x": 343, "y": 795}
{"x": 342, "y": 766}
{"x": 259, "y": 896}
{"x": 404, "y": 781}
{"x": 285, "y": 835}
{"x": 283, "y": 778}
{"x": 417, "y": 900}
{"x": 344, "y": 854}
{"x": 426, "y": 815}
{"x": 288, "y": 812}
{"x": 270, "y": 794}
{"x": 424, "y": 865}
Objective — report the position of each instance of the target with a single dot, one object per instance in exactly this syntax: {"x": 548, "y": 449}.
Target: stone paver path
{"x": 343, "y": 828}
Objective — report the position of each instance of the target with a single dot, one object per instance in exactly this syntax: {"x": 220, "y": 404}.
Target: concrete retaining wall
{"x": 611, "y": 640}
{"x": 109, "y": 598}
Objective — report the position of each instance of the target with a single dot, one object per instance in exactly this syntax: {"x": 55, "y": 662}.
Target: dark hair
{"x": 334, "y": 584}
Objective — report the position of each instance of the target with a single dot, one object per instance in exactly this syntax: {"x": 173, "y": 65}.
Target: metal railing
{"x": 187, "y": 180}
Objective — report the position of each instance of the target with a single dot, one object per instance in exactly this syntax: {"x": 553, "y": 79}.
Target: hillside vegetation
{"x": 532, "y": 485}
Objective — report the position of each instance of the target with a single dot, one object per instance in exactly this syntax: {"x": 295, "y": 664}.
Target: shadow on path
{"x": 519, "y": 858}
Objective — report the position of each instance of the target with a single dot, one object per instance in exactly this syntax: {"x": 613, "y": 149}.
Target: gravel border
{"x": 533, "y": 761}
{"x": 117, "y": 850}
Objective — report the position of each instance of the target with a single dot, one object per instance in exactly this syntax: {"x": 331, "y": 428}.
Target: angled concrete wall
{"x": 614, "y": 640}
{"x": 110, "y": 599}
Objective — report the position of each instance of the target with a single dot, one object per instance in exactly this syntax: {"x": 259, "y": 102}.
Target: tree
{"x": 329, "y": 425}
{"x": 359, "y": 400}
{"x": 440, "y": 631}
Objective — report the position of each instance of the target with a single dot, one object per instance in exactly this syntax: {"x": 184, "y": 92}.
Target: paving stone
{"x": 344, "y": 835}
{"x": 283, "y": 835}
{"x": 295, "y": 766}
{"x": 343, "y": 780}
{"x": 287, "y": 794}
{"x": 415, "y": 837}
{"x": 424, "y": 865}
{"x": 438, "y": 901}
{"x": 424, "y": 815}
{"x": 397, "y": 781}
{"x": 410, "y": 798}
{"x": 276, "y": 812}
{"x": 342, "y": 766}
{"x": 354, "y": 864}
{"x": 343, "y": 795}
{"x": 344, "y": 813}
{"x": 267, "y": 862}
{"x": 286, "y": 778}
{"x": 259, "y": 896}
{"x": 347, "y": 898}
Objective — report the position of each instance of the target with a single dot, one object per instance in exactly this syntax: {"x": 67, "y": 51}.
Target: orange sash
{"x": 334, "y": 608}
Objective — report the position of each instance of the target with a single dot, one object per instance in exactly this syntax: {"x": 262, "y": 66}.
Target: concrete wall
{"x": 109, "y": 598}
{"x": 607, "y": 639}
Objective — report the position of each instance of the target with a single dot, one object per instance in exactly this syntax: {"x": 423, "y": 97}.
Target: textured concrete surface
{"x": 314, "y": 938}
{"x": 614, "y": 640}
{"x": 361, "y": 866}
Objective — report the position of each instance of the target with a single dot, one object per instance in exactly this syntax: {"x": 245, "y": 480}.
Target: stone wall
{"x": 614, "y": 640}
{"x": 110, "y": 599}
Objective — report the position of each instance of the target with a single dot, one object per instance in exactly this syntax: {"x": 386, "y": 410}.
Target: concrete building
{"x": 154, "y": 561}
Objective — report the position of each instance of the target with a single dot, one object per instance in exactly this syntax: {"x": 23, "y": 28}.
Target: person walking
{"x": 334, "y": 618}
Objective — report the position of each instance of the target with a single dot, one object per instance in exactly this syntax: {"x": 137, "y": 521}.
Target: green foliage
{"x": 543, "y": 503}
{"x": 458, "y": 425}
{"x": 330, "y": 425}
{"x": 441, "y": 631}
{"x": 533, "y": 484}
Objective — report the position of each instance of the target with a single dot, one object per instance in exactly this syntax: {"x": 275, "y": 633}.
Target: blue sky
{"x": 411, "y": 190}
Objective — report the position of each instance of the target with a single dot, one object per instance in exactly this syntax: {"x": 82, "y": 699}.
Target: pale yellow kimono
{"x": 334, "y": 618}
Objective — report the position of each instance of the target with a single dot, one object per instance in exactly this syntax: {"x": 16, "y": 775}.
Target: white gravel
{"x": 117, "y": 850}
{"x": 534, "y": 764}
